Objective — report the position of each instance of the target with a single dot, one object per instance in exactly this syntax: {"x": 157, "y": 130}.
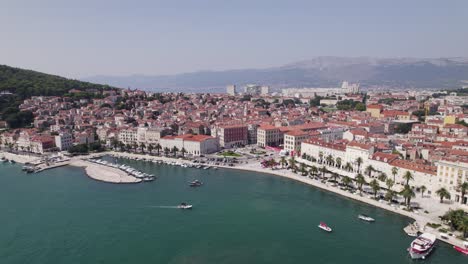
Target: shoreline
{"x": 115, "y": 176}
{"x": 422, "y": 220}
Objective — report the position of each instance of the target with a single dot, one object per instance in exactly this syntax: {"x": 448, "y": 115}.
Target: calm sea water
{"x": 61, "y": 216}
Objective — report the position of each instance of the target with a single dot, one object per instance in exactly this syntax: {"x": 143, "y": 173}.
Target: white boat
{"x": 366, "y": 218}
{"x": 422, "y": 246}
{"x": 324, "y": 226}
{"x": 184, "y": 206}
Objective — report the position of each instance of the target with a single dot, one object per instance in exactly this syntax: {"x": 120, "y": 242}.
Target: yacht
{"x": 463, "y": 249}
{"x": 196, "y": 183}
{"x": 324, "y": 226}
{"x": 366, "y": 218}
{"x": 184, "y": 206}
{"x": 422, "y": 246}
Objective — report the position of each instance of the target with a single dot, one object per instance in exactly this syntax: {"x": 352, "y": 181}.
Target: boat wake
{"x": 163, "y": 206}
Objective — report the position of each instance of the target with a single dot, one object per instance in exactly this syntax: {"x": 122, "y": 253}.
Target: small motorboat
{"x": 422, "y": 246}
{"x": 463, "y": 249}
{"x": 324, "y": 226}
{"x": 184, "y": 206}
{"x": 366, "y": 218}
{"x": 196, "y": 183}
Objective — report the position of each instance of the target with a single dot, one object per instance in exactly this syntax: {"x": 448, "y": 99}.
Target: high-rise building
{"x": 253, "y": 89}
{"x": 231, "y": 89}
{"x": 265, "y": 90}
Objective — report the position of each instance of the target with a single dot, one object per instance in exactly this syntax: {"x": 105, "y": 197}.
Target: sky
{"x": 84, "y": 38}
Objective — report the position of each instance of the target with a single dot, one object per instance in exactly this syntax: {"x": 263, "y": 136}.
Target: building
{"x": 195, "y": 145}
{"x": 293, "y": 140}
{"x": 231, "y": 90}
{"x": 41, "y": 144}
{"x": 253, "y": 89}
{"x": 374, "y": 110}
{"x": 230, "y": 136}
{"x": 345, "y": 88}
{"x": 450, "y": 173}
{"x": 252, "y": 133}
{"x": 268, "y": 135}
{"x": 265, "y": 90}
{"x": 128, "y": 136}
{"x": 63, "y": 141}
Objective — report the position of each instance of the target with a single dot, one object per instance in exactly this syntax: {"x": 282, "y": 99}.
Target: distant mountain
{"x": 317, "y": 72}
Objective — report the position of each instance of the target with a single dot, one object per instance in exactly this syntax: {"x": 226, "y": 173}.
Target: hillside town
{"x": 374, "y": 135}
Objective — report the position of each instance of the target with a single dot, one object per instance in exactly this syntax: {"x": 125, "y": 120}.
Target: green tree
{"x": 394, "y": 173}
{"x": 408, "y": 193}
{"x": 360, "y": 180}
{"x": 443, "y": 193}
{"x": 374, "y": 184}
{"x": 359, "y": 162}
{"x": 346, "y": 181}
{"x": 338, "y": 162}
{"x": 423, "y": 189}
{"x": 369, "y": 169}
{"x": 462, "y": 188}
{"x": 408, "y": 176}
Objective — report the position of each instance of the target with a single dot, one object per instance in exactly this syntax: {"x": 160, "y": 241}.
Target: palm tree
{"x": 389, "y": 183}
{"x": 338, "y": 162}
{"x": 423, "y": 189}
{"x": 360, "y": 180}
{"x": 313, "y": 171}
{"x": 389, "y": 195}
{"x": 359, "y": 162}
{"x": 330, "y": 160}
{"x": 369, "y": 169}
{"x": 166, "y": 151}
{"x": 321, "y": 156}
{"x": 443, "y": 193}
{"x": 303, "y": 169}
{"x": 394, "y": 173}
{"x": 348, "y": 166}
{"x": 346, "y": 181}
{"x": 283, "y": 162}
{"x": 408, "y": 193}
{"x": 174, "y": 150}
{"x": 382, "y": 177}
{"x": 158, "y": 148}
{"x": 142, "y": 147}
{"x": 374, "y": 184}
{"x": 462, "y": 188}
{"x": 292, "y": 163}
{"x": 408, "y": 177}
{"x": 183, "y": 151}
{"x": 323, "y": 170}
{"x": 150, "y": 148}
{"x": 334, "y": 176}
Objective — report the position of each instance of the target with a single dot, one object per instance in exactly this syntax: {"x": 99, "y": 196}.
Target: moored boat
{"x": 366, "y": 218}
{"x": 422, "y": 246}
{"x": 463, "y": 249}
{"x": 324, "y": 226}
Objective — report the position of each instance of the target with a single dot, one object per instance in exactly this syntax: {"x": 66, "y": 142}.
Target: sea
{"x": 62, "y": 216}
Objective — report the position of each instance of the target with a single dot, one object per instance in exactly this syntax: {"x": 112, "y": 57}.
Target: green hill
{"x": 18, "y": 84}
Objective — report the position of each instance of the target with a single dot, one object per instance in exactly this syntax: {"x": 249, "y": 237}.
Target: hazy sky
{"x": 84, "y": 38}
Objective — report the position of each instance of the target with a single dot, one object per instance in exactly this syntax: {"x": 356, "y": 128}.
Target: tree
{"x": 369, "y": 169}
{"x": 313, "y": 171}
{"x": 334, "y": 176}
{"x": 348, "y": 166}
{"x": 323, "y": 170}
{"x": 443, "y": 193}
{"x": 158, "y": 148}
{"x": 394, "y": 173}
{"x": 321, "y": 156}
{"x": 166, "y": 151}
{"x": 150, "y": 148}
{"x": 408, "y": 177}
{"x": 458, "y": 220}
{"x": 408, "y": 193}
{"x": 329, "y": 159}
{"x": 382, "y": 177}
{"x": 303, "y": 169}
{"x": 346, "y": 181}
{"x": 389, "y": 183}
{"x": 283, "y": 162}
{"x": 423, "y": 189}
{"x": 338, "y": 162}
{"x": 359, "y": 162}
{"x": 175, "y": 150}
{"x": 183, "y": 151}
{"x": 360, "y": 180}
{"x": 374, "y": 184}
{"x": 360, "y": 107}
{"x": 292, "y": 163}
{"x": 142, "y": 147}
{"x": 462, "y": 188}
{"x": 389, "y": 195}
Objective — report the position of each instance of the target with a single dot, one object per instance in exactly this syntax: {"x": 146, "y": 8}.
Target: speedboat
{"x": 196, "y": 183}
{"x": 461, "y": 250}
{"x": 422, "y": 246}
{"x": 324, "y": 226}
{"x": 366, "y": 218}
{"x": 184, "y": 206}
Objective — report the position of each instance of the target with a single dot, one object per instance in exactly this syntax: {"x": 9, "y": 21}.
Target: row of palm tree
{"x": 150, "y": 148}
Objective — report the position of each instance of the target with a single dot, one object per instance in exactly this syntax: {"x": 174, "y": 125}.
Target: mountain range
{"x": 408, "y": 73}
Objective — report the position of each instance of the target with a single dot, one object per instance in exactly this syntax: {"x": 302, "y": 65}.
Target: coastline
{"x": 112, "y": 175}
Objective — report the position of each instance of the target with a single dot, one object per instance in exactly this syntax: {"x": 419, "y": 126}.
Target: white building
{"x": 231, "y": 90}
{"x": 128, "y": 136}
{"x": 450, "y": 173}
{"x": 192, "y": 144}
{"x": 64, "y": 141}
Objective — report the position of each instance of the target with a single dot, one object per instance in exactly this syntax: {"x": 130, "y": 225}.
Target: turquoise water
{"x": 61, "y": 216}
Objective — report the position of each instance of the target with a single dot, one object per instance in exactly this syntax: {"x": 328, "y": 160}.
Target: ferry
{"x": 324, "y": 226}
{"x": 422, "y": 246}
{"x": 366, "y": 218}
{"x": 184, "y": 206}
{"x": 196, "y": 183}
